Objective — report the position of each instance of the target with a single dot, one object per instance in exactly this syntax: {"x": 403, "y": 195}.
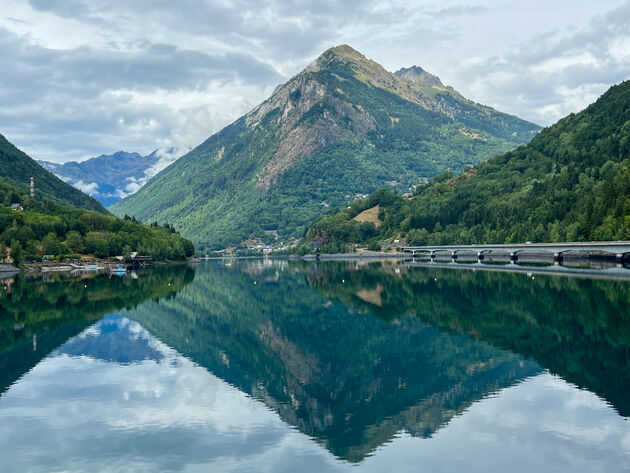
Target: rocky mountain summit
{"x": 419, "y": 76}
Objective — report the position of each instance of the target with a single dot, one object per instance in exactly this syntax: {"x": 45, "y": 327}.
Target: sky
{"x": 82, "y": 78}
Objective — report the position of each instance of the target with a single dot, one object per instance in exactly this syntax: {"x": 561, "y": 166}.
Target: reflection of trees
{"x": 37, "y": 315}
{"x": 577, "y": 328}
{"x": 350, "y": 380}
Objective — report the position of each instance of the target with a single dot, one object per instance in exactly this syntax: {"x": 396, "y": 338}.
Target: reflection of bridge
{"x": 620, "y": 250}
{"x": 614, "y": 272}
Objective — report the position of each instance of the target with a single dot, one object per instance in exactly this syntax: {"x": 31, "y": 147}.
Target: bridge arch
{"x": 481, "y": 254}
{"x": 621, "y": 257}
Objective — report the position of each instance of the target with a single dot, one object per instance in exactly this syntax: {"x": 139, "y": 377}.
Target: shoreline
{"x": 350, "y": 256}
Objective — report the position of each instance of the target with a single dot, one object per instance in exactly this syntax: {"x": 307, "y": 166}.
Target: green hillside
{"x": 571, "y": 183}
{"x": 17, "y": 168}
{"x": 341, "y": 128}
{"x": 39, "y": 229}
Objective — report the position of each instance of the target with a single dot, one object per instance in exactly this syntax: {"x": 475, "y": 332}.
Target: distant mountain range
{"x": 17, "y": 168}
{"x": 109, "y": 178}
{"x": 341, "y": 128}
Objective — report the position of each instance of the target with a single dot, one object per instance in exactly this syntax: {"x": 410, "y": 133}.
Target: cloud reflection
{"x": 83, "y": 410}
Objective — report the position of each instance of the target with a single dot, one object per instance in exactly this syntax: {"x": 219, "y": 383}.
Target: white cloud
{"x": 89, "y": 188}
{"x": 129, "y": 189}
{"x": 166, "y": 157}
{"x": 90, "y": 78}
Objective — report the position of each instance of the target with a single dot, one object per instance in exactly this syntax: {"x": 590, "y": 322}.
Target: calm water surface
{"x": 289, "y": 366}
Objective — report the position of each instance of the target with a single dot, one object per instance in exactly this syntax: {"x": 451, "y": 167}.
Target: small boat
{"x": 118, "y": 269}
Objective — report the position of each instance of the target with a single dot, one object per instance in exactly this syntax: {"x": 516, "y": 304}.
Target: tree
{"x": 51, "y": 244}
{"x": 189, "y": 248}
{"x": 3, "y": 252}
{"x": 97, "y": 243}
{"x": 16, "y": 252}
{"x": 74, "y": 242}
{"x": 374, "y": 246}
{"x": 30, "y": 251}
{"x": 126, "y": 253}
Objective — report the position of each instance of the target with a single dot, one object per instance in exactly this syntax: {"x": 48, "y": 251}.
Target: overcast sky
{"x": 84, "y": 77}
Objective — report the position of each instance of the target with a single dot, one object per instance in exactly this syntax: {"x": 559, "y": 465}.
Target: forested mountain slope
{"x": 37, "y": 229}
{"x": 343, "y": 127}
{"x": 570, "y": 183}
{"x": 17, "y": 168}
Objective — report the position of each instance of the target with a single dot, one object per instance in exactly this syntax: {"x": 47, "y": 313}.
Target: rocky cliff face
{"x": 417, "y": 75}
{"x": 343, "y": 126}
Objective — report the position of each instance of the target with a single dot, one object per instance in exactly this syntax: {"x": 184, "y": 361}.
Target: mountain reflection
{"x": 348, "y": 379}
{"x": 577, "y": 328}
{"x": 38, "y": 315}
{"x": 113, "y": 339}
{"x": 352, "y": 355}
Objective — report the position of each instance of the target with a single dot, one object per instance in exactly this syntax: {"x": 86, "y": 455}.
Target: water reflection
{"x": 258, "y": 365}
{"x": 578, "y": 328}
{"x": 348, "y": 379}
{"x": 75, "y": 412}
{"x": 37, "y": 315}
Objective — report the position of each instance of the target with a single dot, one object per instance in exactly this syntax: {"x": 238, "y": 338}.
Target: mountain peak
{"x": 343, "y": 54}
{"x": 419, "y": 76}
{"x": 342, "y": 127}
{"x": 345, "y": 51}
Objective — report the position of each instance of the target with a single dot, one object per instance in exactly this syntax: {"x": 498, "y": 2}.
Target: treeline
{"x": 39, "y": 229}
{"x": 571, "y": 183}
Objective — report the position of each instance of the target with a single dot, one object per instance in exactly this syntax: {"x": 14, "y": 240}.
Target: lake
{"x": 283, "y": 366}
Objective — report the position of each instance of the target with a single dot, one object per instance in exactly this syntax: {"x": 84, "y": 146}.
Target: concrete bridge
{"x": 619, "y": 250}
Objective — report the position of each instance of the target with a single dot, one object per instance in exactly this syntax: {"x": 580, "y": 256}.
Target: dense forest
{"x": 17, "y": 168}
{"x": 37, "y": 229}
{"x": 570, "y": 183}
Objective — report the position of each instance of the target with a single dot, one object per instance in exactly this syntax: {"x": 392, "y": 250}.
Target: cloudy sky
{"x": 86, "y": 77}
